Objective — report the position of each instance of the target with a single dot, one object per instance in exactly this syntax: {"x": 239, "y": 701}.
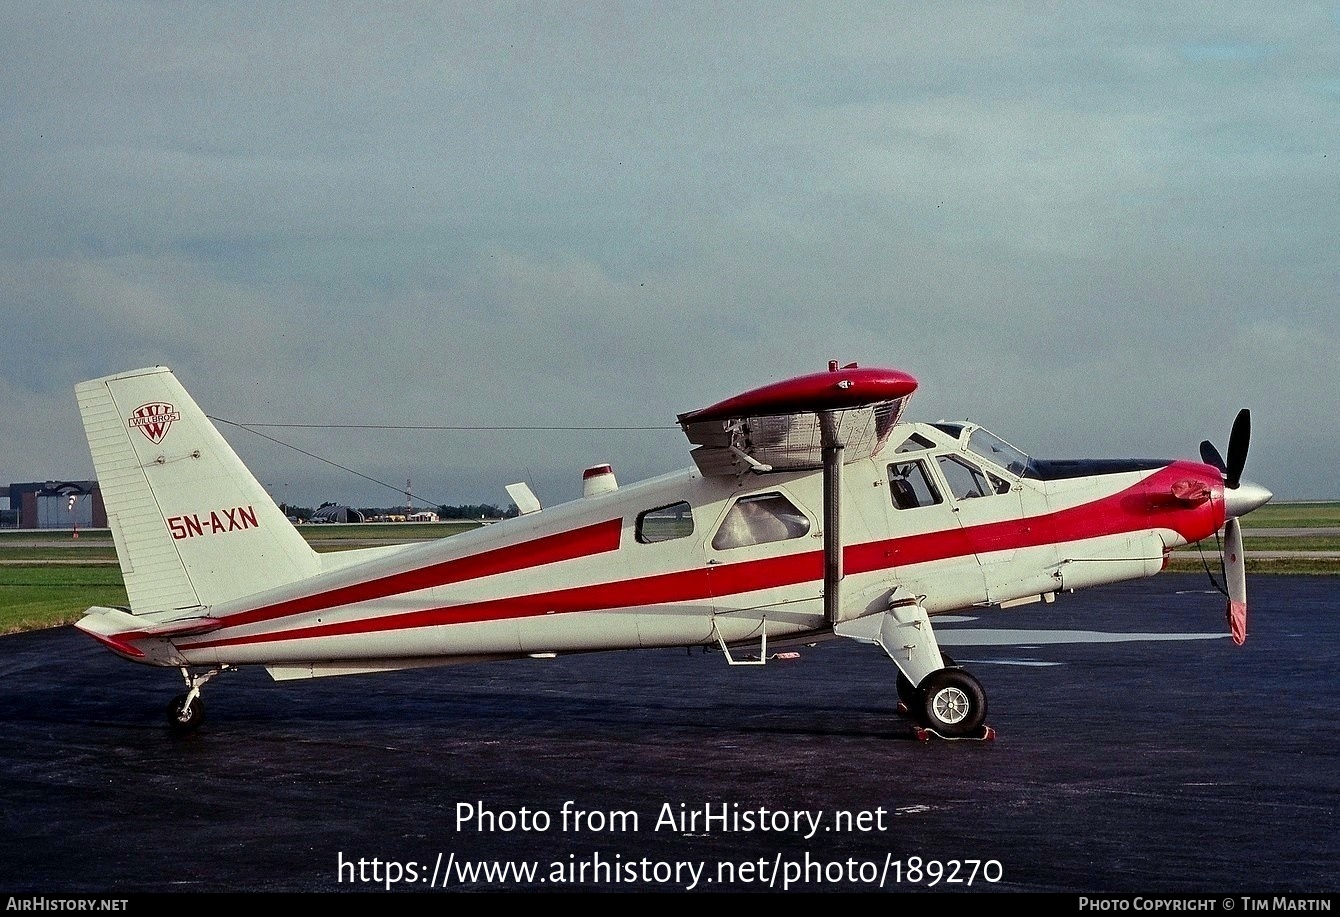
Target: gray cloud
{"x": 1099, "y": 230}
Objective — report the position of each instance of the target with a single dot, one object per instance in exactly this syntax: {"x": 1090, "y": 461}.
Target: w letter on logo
{"x": 154, "y": 419}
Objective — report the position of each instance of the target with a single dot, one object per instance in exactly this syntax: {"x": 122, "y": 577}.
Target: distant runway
{"x": 1143, "y": 766}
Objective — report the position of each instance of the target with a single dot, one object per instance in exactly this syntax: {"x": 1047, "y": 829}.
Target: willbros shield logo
{"x": 154, "y": 419}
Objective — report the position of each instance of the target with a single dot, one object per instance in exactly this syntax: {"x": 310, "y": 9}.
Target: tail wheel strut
{"x": 186, "y": 711}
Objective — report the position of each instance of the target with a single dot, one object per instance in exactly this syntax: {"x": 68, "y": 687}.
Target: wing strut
{"x": 833, "y": 448}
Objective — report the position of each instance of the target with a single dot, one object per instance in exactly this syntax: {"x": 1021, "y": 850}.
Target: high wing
{"x": 786, "y": 425}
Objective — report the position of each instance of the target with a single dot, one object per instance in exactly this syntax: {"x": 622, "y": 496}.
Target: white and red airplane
{"x": 812, "y": 512}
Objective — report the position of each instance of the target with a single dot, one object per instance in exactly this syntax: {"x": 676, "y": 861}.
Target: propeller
{"x": 1235, "y": 579}
{"x": 1237, "y": 450}
{"x": 1242, "y": 501}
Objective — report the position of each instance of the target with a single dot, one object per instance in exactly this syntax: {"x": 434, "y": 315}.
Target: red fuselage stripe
{"x": 1128, "y": 510}
{"x": 582, "y": 542}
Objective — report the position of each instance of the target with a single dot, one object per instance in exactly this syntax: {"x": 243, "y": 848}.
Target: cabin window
{"x": 665, "y": 523}
{"x": 910, "y": 486}
{"x": 760, "y": 519}
{"x": 967, "y": 481}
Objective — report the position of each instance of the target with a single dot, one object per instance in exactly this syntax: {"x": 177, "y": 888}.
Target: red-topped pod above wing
{"x": 850, "y": 386}
{"x": 777, "y": 426}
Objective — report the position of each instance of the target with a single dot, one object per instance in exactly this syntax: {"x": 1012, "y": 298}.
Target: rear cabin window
{"x": 760, "y": 519}
{"x": 665, "y": 523}
{"x": 910, "y": 486}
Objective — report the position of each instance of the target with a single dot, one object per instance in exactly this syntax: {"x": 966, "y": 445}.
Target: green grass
{"x": 85, "y": 554}
{"x": 1300, "y": 543}
{"x": 47, "y": 595}
{"x": 1293, "y": 515}
{"x": 55, "y": 536}
{"x": 1190, "y": 562}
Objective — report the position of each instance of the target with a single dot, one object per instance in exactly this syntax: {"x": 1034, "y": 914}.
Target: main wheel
{"x": 182, "y": 718}
{"x": 953, "y": 703}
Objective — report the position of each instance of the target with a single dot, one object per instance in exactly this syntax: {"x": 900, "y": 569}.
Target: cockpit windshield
{"x": 994, "y": 449}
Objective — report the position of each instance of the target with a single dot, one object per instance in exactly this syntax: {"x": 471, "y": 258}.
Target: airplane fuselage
{"x": 684, "y": 560}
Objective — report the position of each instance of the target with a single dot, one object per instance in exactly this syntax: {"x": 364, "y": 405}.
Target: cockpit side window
{"x": 910, "y": 486}
{"x": 665, "y": 523}
{"x": 967, "y": 481}
{"x": 760, "y": 519}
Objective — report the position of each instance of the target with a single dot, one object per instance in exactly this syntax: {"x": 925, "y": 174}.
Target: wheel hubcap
{"x": 951, "y": 705}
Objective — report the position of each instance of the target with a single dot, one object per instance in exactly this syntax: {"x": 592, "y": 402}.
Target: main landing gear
{"x": 949, "y": 704}
{"x": 940, "y": 697}
{"x": 186, "y": 711}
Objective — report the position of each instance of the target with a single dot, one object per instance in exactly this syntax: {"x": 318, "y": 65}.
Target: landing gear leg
{"x": 908, "y": 694}
{"x": 186, "y": 711}
{"x": 941, "y": 697}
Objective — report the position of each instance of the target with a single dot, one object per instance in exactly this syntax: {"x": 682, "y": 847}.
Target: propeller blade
{"x": 1210, "y": 455}
{"x": 1237, "y": 448}
{"x": 1235, "y": 578}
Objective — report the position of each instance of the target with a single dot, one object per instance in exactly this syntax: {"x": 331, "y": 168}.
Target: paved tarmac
{"x": 1147, "y": 766}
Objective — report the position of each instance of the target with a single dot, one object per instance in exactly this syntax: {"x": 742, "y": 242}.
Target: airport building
{"x": 331, "y": 512}
{"x": 57, "y": 505}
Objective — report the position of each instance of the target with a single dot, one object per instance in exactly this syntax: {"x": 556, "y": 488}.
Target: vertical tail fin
{"x": 192, "y": 526}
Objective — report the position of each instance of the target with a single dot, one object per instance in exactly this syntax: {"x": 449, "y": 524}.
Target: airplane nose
{"x": 1244, "y": 498}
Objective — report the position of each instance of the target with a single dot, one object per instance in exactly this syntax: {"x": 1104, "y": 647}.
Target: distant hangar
{"x": 56, "y": 505}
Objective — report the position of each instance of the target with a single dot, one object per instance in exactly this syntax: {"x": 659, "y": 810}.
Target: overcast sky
{"x": 1097, "y": 229}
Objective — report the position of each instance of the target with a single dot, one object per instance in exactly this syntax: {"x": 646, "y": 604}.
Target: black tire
{"x": 908, "y": 693}
{"x": 954, "y": 703}
{"x": 181, "y": 720}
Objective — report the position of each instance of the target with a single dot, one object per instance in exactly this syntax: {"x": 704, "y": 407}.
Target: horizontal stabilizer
{"x": 123, "y": 632}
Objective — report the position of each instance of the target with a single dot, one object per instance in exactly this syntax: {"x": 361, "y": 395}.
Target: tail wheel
{"x": 184, "y": 717}
{"x": 953, "y": 702}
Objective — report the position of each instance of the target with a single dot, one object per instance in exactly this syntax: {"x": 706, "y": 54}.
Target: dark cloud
{"x": 1100, "y": 230}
